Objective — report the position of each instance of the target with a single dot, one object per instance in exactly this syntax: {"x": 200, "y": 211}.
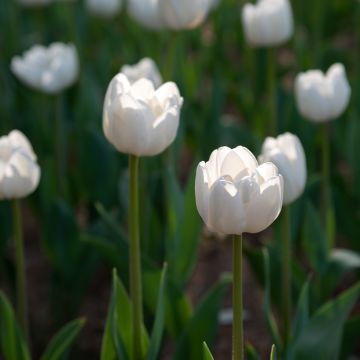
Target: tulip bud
{"x": 287, "y": 153}
{"x": 50, "y": 70}
{"x": 139, "y": 120}
{"x": 146, "y": 13}
{"x": 185, "y": 14}
{"x": 321, "y": 97}
{"x": 268, "y": 22}
{"x": 145, "y": 68}
{"x": 234, "y": 195}
{"x": 19, "y": 171}
{"x": 104, "y": 8}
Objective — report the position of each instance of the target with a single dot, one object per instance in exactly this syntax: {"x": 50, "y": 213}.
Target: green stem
{"x": 238, "y": 333}
{"x": 286, "y": 274}
{"x": 272, "y": 92}
{"x": 21, "y": 303}
{"x": 60, "y": 144}
{"x": 327, "y": 210}
{"x": 135, "y": 260}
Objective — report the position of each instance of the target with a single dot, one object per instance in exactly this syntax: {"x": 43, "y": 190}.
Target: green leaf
{"x": 206, "y": 352}
{"x": 251, "y": 353}
{"x": 158, "y": 327}
{"x": 351, "y": 337}
{"x": 62, "y": 341}
{"x": 273, "y": 355}
{"x": 321, "y": 337}
{"x": 117, "y": 339}
{"x": 203, "y": 324}
{"x": 270, "y": 319}
{"x": 12, "y": 342}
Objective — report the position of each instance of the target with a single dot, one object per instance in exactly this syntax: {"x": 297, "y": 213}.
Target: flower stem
{"x": 135, "y": 260}
{"x": 238, "y": 333}
{"x": 60, "y": 144}
{"x": 21, "y": 299}
{"x": 327, "y": 210}
{"x": 272, "y": 92}
{"x": 286, "y": 275}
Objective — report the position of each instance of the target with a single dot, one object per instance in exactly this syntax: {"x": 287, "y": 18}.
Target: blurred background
{"x": 73, "y": 242}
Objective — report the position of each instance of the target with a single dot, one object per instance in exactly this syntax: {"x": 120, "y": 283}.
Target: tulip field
{"x": 179, "y": 179}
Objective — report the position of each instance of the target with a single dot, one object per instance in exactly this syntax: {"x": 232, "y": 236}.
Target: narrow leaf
{"x": 206, "y": 352}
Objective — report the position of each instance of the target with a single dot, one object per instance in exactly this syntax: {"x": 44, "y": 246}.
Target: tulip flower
{"x": 145, "y": 68}
{"x": 139, "y": 119}
{"x": 322, "y": 97}
{"x": 268, "y": 22}
{"x": 19, "y": 171}
{"x": 146, "y": 13}
{"x": 235, "y": 195}
{"x": 185, "y": 14}
{"x": 287, "y": 153}
{"x": 19, "y": 177}
{"x": 104, "y": 8}
{"x": 50, "y": 70}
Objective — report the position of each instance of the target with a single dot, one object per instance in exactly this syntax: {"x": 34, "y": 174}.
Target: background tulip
{"x": 19, "y": 171}
{"x": 321, "y": 97}
{"x": 48, "y": 69}
{"x": 185, "y": 14}
{"x": 146, "y": 13}
{"x": 234, "y": 195}
{"x": 145, "y": 68}
{"x": 104, "y": 8}
{"x": 268, "y": 22}
{"x": 138, "y": 119}
{"x": 287, "y": 153}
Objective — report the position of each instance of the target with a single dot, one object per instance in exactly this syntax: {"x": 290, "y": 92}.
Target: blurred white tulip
{"x": 287, "y": 153}
{"x": 322, "y": 97}
{"x": 104, "y": 8}
{"x": 145, "y": 68}
{"x": 146, "y": 13}
{"x": 19, "y": 171}
{"x": 268, "y": 22}
{"x": 48, "y": 69}
{"x": 139, "y": 120}
{"x": 234, "y": 195}
{"x": 184, "y": 14}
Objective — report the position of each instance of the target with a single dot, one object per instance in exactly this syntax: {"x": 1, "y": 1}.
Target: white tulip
{"x": 48, "y": 69}
{"x": 268, "y": 22}
{"x": 322, "y": 97}
{"x": 146, "y": 13}
{"x": 145, "y": 68}
{"x": 139, "y": 120}
{"x": 19, "y": 171}
{"x": 234, "y": 195}
{"x": 184, "y": 14}
{"x": 287, "y": 153}
{"x": 104, "y": 8}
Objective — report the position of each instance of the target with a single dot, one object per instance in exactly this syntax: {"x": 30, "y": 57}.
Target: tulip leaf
{"x": 273, "y": 355}
{"x": 351, "y": 337}
{"x": 12, "y": 342}
{"x": 158, "y": 327}
{"x": 321, "y": 337}
{"x": 117, "y": 339}
{"x": 206, "y": 352}
{"x": 203, "y": 324}
{"x": 251, "y": 353}
{"x": 270, "y": 319}
{"x": 61, "y": 342}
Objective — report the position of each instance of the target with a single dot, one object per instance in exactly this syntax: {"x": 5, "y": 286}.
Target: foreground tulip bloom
{"x": 287, "y": 153}
{"x": 185, "y": 14}
{"x": 104, "y": 8}
{"x": 19, "y": 171}
{"x": 322, "y": 97}
{"x": 234, "y": 195}
{"x": 139, "y": 120}
{"x": 48, "y": 69}
{"x": 145, "y": 68}
{"x": 268, "y": 22}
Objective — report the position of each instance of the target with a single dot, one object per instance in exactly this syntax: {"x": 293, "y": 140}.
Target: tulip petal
{"x": 202, "y": 191}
